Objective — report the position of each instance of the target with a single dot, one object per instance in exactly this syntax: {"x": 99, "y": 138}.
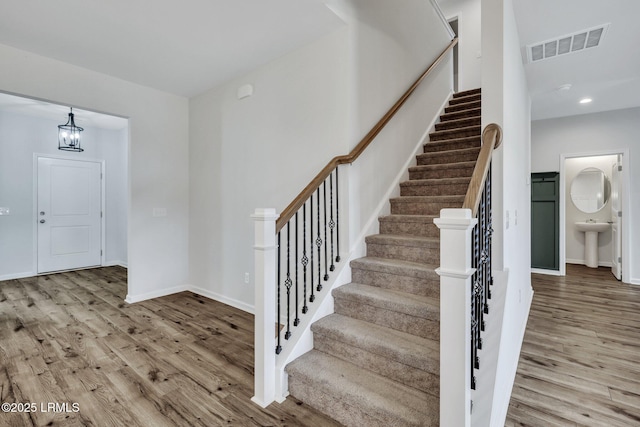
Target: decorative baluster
{"x": 319, "y": 244}
{"x": 278, "y": 346}
{"x": 326, "y": 264}
{"x": 312, "y": 298}
{"x": 337, "y": 218}
{"x": 288, "y": 282}
{"x": 304, "y": 261}
{"x": 332, "y": 223}
{"x": 296, "y": 321}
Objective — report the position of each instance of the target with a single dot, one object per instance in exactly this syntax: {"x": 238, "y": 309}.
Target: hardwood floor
{"x": 180, "y": 360}
{"x": 580, "y": 360}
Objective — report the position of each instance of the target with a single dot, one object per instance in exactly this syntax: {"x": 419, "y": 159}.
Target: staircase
{"x": 375, "y": 361}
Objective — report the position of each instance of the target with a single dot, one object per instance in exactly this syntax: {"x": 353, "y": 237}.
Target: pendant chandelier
{"x": 69, "y": 135}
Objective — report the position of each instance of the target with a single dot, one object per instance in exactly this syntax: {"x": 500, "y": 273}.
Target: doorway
{"x": 69, "y": 212}
{"x": 613, "y": 247}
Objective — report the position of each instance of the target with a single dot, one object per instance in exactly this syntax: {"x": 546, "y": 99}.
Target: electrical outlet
{"x": 246, "y": 277}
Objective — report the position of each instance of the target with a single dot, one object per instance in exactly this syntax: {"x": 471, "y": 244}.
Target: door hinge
{"x": 100, "y": 175}
{"x": 100, "y": 252}
{"x": 619, "y": 260}
{"x": 100, "y": 214}
{"x": 619, "y": 214}
{"x": 619, "y": 168}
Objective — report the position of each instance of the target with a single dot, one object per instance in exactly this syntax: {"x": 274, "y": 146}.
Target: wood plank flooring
{"x": 180, "y": 360}
{"x": 580, "y": 360}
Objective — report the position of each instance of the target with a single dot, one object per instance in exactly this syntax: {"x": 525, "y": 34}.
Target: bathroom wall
{"x": 575, "y": 238}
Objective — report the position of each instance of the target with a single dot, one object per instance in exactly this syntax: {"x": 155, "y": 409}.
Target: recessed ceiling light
{"x": 585, "y": 100}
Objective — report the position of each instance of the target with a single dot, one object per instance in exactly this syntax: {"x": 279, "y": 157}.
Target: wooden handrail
{"x": 491, "y": 139}
{"x": 304, "y": 195}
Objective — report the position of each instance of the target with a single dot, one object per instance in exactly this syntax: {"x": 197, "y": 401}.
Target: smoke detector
{"x": 567, "y": 44}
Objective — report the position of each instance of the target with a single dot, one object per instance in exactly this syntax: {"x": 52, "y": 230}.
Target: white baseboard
{"x": 635, "y": 281}
{"x": 115, "y": 264}
{"x": 221, "y": 298}
{"x": 583, "y": 262}
{"x": 17, "y": 275}
{"x": 155, "y": 294}
{"x": 547, "y": 272}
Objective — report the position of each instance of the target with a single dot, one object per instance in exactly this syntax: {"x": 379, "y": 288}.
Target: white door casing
{"x": 616, "y": 226}
{"x": 69, "y": 206}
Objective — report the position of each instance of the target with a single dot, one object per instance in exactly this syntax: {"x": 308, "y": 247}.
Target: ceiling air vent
{"x": 570, "y": 43}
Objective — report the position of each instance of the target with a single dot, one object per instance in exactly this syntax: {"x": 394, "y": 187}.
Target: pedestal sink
{"x": 591, "y": 230}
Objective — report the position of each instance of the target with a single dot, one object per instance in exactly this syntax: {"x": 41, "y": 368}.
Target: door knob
{"x": 42, "y": 221}
{"x": 41, "y": 212}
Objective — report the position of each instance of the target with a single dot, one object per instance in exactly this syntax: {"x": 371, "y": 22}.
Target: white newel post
{"x": 455, "y": 316}
{"x": 265, "y": 306}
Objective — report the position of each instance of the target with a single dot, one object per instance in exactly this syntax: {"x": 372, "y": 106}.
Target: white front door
{"x": 69, "y": 214}
{"x": 616, "y": 226}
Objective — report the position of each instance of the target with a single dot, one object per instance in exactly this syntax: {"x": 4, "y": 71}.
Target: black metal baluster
{"x": 332, "y": 223}
{"x": 312, "y": 298}
{"x": 278, "y": 346}
{"x": 304, "y": 259}
{"x": 296, "y": 321}
{"x": 337, "y": 218}
{"x": 288, "y": 282}
{"x": 319, "y": 244}
{"x": 326, "y": 264}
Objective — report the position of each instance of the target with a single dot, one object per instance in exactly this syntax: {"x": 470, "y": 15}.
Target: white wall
{"x": 611, "y": 131}
{"x": 20, "y": 137}
{"x": 307, "y": 107}
{"x": 470, "y": 40}
{"x": 505, "y": 100}
{"x": 260, "y": 152}
{"x": 574, "y": 238}
{"x": 158, "y": 158}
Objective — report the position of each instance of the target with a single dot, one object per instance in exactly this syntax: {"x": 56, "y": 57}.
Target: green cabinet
{"x": 545, "y": 220}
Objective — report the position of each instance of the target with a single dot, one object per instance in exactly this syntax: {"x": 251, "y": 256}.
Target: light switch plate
{"x": 5, "y": 211}
{"x": 159, "y": 212}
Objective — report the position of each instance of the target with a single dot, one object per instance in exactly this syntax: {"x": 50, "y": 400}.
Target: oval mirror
{"x": 590, "y": 190}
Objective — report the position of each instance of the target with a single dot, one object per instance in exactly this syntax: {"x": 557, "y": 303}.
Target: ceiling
{"x": 182, "y": 47}
{"x": 609, "y": 74}
{"x": 187, "y": 47}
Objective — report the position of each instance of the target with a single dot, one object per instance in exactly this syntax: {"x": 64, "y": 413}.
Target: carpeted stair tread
{"x": 435, "y": 187}
{"x": 464, "y": 93}
{"x": 455, "y": 115}
{"x": 356, "y": 397}
{"x": 462, "y": 132}
{"x": 391, "y": 239}
{"x": 460, "y": 155}
{"x": 398, "y": 275}
{"x": 474, "y": 141}
{"x": 399, "y": 302}
{"x": 461, "y": 107}
{"x": 394, "y": 266}
{"x": 410, "y": 350}
{"x": 459, "y": 123}
{"x": 442, "y": 170}
{"x": 465, "y": 98}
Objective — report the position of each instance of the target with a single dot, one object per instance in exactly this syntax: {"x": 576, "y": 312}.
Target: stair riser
{"x": 461, "y": 144}
{"x": 418, "y": 326}
{"x": 475, "y": 121}
{"x": 447, "y": 157}
{"x": 323, "y": 401}
{"x": 435, "y": 190}
{"x": 411, "y": 285}
{"x": 409, "y": 229}
{"x": 441, "y": 173}
{"x": 457, "y": 115}
{"x": 454, "y": 133}
{"x": 405, "y": 253}
{"x": 421, "y": 208}
{"x": 463, "y": 107}
{"x": 465, "y": 99}
{"x": 428, "y": 382}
